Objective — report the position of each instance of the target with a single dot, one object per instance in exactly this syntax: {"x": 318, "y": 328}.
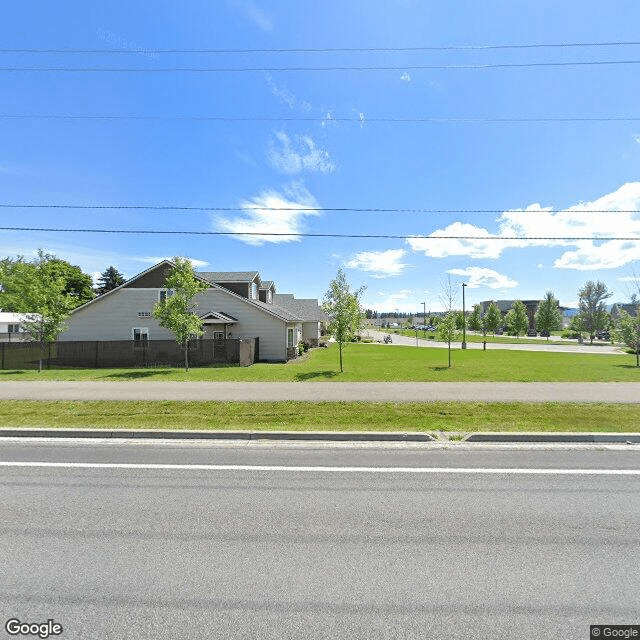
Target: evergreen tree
{"x": 548, "y": 317}
{"x": 475, "y": 319}
{"x": 109, "y": 279}
{"x": 516, "y": 320}
{"x": 593, "y": 312}
{"x": 493, "y": 318}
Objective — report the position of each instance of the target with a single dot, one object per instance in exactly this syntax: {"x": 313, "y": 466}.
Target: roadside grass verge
{"x": 381, "y": 363}
{"x": 321, "y": 416}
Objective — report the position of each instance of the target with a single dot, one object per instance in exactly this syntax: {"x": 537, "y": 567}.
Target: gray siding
{"x": 114, "y": 316}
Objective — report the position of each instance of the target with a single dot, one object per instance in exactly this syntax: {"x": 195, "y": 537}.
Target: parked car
{"x": 603, "y": 335}
{"x": 545, "y": 333}
{"x": 388, "y": 339}
{"x": 431, "y": 328}
{"x": 532, "y": 333}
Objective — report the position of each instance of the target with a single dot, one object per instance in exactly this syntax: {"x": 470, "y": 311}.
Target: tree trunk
{"x": 449, "y": 355}
{"x": 41, "y": 357}
{"x": 340, "y": 343}
{"x": 186, "y": 355}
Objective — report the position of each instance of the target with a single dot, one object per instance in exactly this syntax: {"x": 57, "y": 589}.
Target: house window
{"x": 14, "y": 328}
{"x": 218, "y": 335}
{"x": 144, "y": 314}
{"x": 163, "y": 294}
{"x": 140, "y": 336}
{"x": 269, "y": 296}
{"x": 254, "y": 290}
{"x": 289, "y": 338}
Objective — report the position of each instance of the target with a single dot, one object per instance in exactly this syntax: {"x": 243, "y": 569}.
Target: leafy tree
{"x": 475, "y": 318}
{"x": 76, "y": 283}
{"x": 459, "y": 320}
{"x": 517, "y": 321}
{"x": 343, "y": 306}
{"x": 447, "y": 330}
{"x": 593, "y": 312}
{"x": 493, "y": 318}
{"x": 109, "y": 279}
{"x": 177, "y": 311}
{"x": 40, "y": 293}
{"x": 548, "y": 317}
{"x": 628, "y": 331}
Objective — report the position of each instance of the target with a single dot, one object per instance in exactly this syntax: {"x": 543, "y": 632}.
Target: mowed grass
{"x": 321, "y": 416}
{"x": 375, "y": 362}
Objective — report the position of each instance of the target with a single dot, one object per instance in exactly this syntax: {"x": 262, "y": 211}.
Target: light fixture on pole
{"x": 464, "y": 320}
{"x": 424, "y": 313}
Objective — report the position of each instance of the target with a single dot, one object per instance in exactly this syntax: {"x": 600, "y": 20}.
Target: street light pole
{"x": 464, "y": 320}
{"x": 424, "y": 313}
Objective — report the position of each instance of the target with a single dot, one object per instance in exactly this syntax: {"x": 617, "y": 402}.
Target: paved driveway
{"x": 606, "y": 349}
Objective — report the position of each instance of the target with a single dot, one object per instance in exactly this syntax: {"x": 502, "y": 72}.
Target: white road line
{"x": 318, "y": 469}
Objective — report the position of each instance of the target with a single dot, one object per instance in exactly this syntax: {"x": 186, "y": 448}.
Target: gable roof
{"x": 228, "y": 276}
{"x": 307, "y": 309}
{"x": 281, "y": 314}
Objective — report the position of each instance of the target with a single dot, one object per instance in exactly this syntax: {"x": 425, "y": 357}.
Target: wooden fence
{"x": 96, "y": 354}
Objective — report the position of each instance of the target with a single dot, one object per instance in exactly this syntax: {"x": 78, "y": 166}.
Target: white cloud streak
{"x": 380, "y": 264}
{"x": 536, "y": 221}
{"x": 294, "y": 197}
{"x": 300, "y": 155}
{"x": 477, "y": 277}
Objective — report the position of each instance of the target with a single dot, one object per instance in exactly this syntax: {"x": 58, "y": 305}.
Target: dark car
{"x": 544, "y": 333}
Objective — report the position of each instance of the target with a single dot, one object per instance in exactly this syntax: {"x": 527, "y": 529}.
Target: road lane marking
{"x": 318, "y": 469}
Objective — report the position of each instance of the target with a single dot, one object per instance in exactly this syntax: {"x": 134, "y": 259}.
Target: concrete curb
{"x": 323, "y": 436}
{"x": 578, "y": 438}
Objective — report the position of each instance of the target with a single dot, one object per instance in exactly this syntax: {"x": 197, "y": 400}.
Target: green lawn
{"x": 324, "y": 416}
{"x": 374, "y": 362}
{"x": 491, "y": 339}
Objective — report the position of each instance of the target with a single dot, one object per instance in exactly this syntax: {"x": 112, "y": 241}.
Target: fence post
{"x": 96, "y": 366}
{"x": 3, "y": 355}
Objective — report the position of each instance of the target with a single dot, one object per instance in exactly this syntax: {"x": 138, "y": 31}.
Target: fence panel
{"x": 94, "y": 354}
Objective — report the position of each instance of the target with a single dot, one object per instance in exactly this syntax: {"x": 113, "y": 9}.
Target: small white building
{"x": 12, "y": 326}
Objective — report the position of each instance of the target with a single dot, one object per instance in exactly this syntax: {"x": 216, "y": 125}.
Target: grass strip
{"x": 322, "y": 416}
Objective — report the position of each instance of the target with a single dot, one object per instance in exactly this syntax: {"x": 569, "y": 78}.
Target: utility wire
{"x": 445, "y": 67}
{"x": 434, "y": 119}
{"x": 4, "y": 205}
{"x": 470, "y": 47}
{"x": 314, "y": 235}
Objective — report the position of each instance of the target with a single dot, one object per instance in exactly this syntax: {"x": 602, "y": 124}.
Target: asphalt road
{"x": 417, "y": 542}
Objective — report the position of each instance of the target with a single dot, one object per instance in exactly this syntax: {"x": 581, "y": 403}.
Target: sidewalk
{"x": 615, "y": 392}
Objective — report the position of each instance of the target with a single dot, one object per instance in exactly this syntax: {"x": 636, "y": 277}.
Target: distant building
{"x": 505, "y": 306}
{"x": 12, "y": 327}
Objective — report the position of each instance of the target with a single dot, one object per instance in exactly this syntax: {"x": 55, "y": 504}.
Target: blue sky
{"x": 536, "y": 176}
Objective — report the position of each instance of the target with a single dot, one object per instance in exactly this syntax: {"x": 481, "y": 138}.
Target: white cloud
{"x": 403, "y": 300}
{"x": 628, "y": 279}
{"x": 263, "y": 215}
{"x": 405, "y": 77}
{"x": 540, "y": 265}
{"x": 380, "y": 264}
{"x": 252, "y": 12}
{"x": 478, "y": 277}
{"x": 301, "y": 155}
{"x": 637, "y": 138}
{"x": 538, "y": 222}
{"x": 197, "y": 264}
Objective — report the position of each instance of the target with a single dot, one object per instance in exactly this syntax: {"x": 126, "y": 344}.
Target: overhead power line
{"x": 413, "y": 67}
{"x": 178, "y": 208}
{"x": 462, "y": 47}
{"x": 409, "y": 120}
{"x": 314, "y": 235}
